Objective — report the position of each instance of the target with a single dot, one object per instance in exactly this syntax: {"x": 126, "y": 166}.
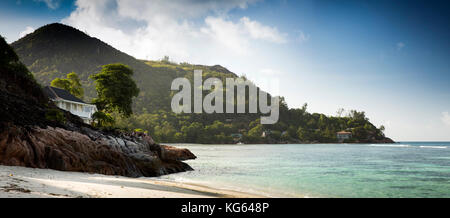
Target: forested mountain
{"x": 56, "y": 50}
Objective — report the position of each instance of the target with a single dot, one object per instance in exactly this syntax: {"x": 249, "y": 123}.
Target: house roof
{"x": 344, "y": 133}
{"x": 55, "y": 93}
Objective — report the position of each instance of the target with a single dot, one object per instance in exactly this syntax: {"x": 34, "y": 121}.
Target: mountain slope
{"x": 55, "y": 50}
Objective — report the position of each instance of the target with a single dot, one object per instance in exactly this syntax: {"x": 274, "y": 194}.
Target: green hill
{"x": 55, "y": 50}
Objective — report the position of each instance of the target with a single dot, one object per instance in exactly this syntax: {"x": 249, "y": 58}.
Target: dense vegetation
{"x": 55, "y": 50}
{"x": 295, "y": 126}
{"x": 115, "y": 89}
{"x": 72, "y": 84}
{"x": 22, "y": 100}
{"x": 9, "y": 61}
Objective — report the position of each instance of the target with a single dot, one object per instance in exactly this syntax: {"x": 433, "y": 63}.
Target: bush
{"x": 55, "y": 115}
{"x": 141, "y": 130}
{"x": 101, "y": 119}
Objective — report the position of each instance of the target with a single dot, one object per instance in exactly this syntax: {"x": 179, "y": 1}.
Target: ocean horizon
{"x": 403, "y": 169}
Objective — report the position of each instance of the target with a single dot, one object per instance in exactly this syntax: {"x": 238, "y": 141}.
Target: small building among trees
{"x": 236, "y": 136}
{"x": 66, "y": 101}
{"x": 343, "y": 135}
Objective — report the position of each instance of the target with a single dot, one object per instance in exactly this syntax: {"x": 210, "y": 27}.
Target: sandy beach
{"x": 21, "y": 182}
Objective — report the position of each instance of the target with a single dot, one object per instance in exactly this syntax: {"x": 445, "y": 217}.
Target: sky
{"x": 390, "y": 59}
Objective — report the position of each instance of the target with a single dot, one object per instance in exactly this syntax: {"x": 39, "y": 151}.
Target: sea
{"x": 401, "y": 170}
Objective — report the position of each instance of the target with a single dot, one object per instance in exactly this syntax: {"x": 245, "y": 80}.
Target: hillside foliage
{"x": 115, "y": 89}
{"x": 72, "y": 84}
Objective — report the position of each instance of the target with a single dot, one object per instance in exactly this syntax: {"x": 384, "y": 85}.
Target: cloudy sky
{"x": 388, "y": 58}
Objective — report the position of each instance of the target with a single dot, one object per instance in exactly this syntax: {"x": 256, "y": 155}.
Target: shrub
{"x": 55, "y": 115}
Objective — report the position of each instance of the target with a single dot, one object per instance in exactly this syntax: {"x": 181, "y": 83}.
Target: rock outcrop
{"x": 31, "y": 137}
{"x": 87, "y": 150}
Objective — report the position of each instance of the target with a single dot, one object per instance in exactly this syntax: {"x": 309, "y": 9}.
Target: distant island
{"x": 55, "y": 50}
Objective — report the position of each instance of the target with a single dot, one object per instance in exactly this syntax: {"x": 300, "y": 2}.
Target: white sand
{"x": 21, "y": 182}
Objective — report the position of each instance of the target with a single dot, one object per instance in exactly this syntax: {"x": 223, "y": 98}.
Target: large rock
{"x": 62, "y": 149}
{"x": 170, "y": 153}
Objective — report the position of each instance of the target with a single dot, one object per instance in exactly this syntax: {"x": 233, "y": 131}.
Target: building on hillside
{"x": 66, "y": 101}
{"x": 236, "y": 136}
{"x": 266, "y": 133}
{"x": 343, "y": 135}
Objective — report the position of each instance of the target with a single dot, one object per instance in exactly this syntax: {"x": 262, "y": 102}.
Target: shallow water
{"x": 409, "y": 169}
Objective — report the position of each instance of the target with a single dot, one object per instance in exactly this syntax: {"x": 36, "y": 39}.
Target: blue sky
{"x": 388, "y": 58}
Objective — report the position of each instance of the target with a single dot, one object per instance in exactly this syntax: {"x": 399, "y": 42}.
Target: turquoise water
{"x": 409, "y": 169}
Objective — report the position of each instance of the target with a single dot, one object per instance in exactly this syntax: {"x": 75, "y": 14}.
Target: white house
{"x": 66, "y": 101}
{"x": 266, "y": 133}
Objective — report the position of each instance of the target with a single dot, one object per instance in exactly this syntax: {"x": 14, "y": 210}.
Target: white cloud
{"x": 180, "y": 29}
{"x": 52, "y": 4}
{"x": 445, "y": 118}
{"x": 400, "y": 45}
{"x": 259, "y": 31}
{"x": 237, "y": 35}
{"x": 146, "y": 10}
{"x": 225, "y": 33}
{"x": 27, "y": 31}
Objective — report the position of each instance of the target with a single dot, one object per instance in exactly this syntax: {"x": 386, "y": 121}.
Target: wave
{"x": 389, "y": 145}
{"x": 407, "y": 146}
{"x": 437, "y": 147}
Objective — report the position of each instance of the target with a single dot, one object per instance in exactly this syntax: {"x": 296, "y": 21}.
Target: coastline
{"x": 22, "y": 182}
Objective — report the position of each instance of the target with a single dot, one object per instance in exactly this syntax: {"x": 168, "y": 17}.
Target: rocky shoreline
{"x": 88, "y": 150}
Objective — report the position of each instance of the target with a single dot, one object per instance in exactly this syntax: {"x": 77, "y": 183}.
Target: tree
{"x": 7, "y": 55}
{"x": 275, "y": 135}
{"x": 165, "y": 59}
{"x": 72, "y": 84}
{"x": 381, "y": 131}
{"x": 193, "y": 132}
{"x": 358, "y": 116}
{"x": 322, "y": 121}
{"x": 115, "y": 89}
{"x": 256, "y": 131}
{"x": 304, "y": 107}
{"x": 306, "y": 135}
{"x": 165, "y": 132}
{"x": 101, "y": 119}
{"x": 359, "y": 133}
{"x": 61, "y": 83}
{"x": 254, "y": 123}
{"x": 340, "y": 112}
{"x": 292, "y": 132}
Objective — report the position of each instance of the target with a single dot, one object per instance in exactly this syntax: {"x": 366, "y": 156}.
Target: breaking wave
{"x": 408, "y": 146}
